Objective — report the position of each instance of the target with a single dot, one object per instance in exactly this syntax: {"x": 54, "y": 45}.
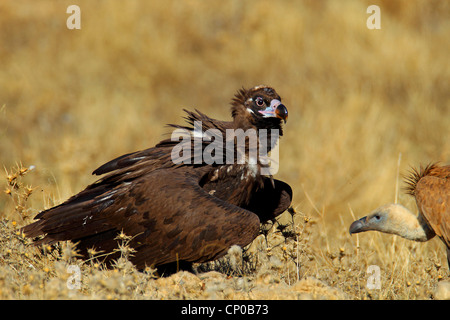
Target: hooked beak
{"x": 358, "y": 226}
{"x": 276, "y": 110}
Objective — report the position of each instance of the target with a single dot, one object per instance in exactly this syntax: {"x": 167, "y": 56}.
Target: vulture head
{"x": 260, "y": 108}
{"x": 394, "y": 219}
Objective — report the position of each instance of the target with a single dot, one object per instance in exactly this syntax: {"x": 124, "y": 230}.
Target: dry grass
{"x": 357, "y": 99}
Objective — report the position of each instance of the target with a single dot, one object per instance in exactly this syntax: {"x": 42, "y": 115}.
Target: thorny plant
{"x": 287, "y": 250}
{"x": 282, "y": 245}
{"x": 18, "y": 191}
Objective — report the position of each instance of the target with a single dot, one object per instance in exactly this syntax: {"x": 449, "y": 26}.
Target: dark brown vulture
{"x": 431, "y": 188}
{"x": 185, "y": 209}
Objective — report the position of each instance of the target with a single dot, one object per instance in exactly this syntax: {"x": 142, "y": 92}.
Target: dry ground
{"x": 363, "y": 105}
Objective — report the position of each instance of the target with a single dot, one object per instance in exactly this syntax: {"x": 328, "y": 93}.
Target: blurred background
{"x": 364, "y": 105}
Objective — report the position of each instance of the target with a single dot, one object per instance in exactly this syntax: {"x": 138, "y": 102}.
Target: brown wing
{"x": 170, "y": 216}
{"x": 161, "y": 152}
{"x": 271, "y": 200}
{"x": 432, "y": 194}
{"x": 192, "y": 225}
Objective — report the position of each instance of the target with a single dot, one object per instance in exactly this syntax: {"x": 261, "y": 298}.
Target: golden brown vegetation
{"x": 359, "y": 100}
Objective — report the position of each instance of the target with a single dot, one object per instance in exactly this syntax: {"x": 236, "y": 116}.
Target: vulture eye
{"x": 377, "y": 217}
{"x": 259, "y": 101}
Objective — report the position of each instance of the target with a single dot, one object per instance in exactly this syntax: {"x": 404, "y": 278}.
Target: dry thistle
{"x": 69, "y": 251}
{"x": 123, "y": 237}
{"x": 92, "y": 253}
{"x": 18, "y": 192}
{"x": 124, "y": 248}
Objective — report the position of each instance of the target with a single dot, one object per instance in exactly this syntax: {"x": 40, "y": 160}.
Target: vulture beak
{"x": 359, "y": 226}
{"x": 276, "y": 110}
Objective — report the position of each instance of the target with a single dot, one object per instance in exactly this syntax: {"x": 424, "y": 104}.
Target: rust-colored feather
{"x": 431, "y": 188}
{"x": 416, "y": 174}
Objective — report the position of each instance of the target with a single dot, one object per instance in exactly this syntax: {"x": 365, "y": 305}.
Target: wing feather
{"x": 433, "y": 200}
{"x": 178, "y": 220}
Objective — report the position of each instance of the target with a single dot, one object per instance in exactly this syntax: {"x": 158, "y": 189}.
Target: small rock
{"x": 442, "y": 291}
